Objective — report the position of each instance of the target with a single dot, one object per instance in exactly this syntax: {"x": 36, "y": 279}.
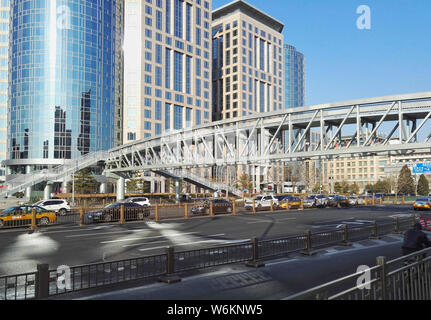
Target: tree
{"x": 246, "y": 183}
{"x": 354, "y": 188}
{"x": 345, "y": 187}
{"x": 138, "y": 185}
{"x": 338, "y": 188}
{"x": 84, "y": 182}
{"x": 423, "y": 186}
{"x": 406, "y": 184}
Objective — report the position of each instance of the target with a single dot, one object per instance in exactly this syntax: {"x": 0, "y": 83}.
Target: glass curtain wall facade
{"x": 294, "y": 73}
{"x": 4, "y": 45}
{"x": 64, "y": 80}
{"x": 167, "y": 66}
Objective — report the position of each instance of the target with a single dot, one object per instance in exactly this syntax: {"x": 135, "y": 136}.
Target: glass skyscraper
{"x": 294, "y": 77}
{"x": 65, "y": 81}
{"x": 4, "y": 45}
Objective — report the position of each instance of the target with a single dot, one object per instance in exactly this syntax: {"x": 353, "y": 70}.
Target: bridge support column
{"x": 47, "y": 191}
{"x": 64, "y": 186}
{"x": 103, "y": 189}
{"x": 177, "y": 191}
{"x": 153, "y": 186}
{"x": 162, "y": 186}
{"x": 28, "y": 190}
{"x": 121, "y": 186}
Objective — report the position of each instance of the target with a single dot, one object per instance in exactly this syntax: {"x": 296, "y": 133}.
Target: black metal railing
{"x": 45, "y": 283}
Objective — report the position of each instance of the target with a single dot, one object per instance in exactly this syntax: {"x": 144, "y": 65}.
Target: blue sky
{"x": 343, "y": 62}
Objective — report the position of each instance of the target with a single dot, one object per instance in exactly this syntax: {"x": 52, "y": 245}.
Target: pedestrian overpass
{"x": 344, "y": 129}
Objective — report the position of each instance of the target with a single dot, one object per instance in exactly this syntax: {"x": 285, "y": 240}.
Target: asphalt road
{"x": 22, "y": 250}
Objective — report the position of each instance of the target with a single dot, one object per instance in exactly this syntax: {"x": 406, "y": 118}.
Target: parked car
{"x": 264, "y": 203}
{"x": 59, "y": 206}
{"x": 22, "y": 215}
{"x": 339, "y": 201}
{"x": 316, "y": 201}
{"x": 292, "y": 202}
{"x": 354, "y": 200}
{"x": 423, "y": 203}
{"x": 132, "y": 211}
{"x": 220, "y": 206}
{"x": 142, "y": 201}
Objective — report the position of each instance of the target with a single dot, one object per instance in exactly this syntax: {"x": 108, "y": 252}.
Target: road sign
{"x": 422, "y": 168}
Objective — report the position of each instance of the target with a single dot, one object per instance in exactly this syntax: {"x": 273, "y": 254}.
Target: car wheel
{"x": 108, "y": 218}
{"x": 62, "y": 212}
{"x": 229, "y": 210}
{"x": 44, "y": 221}
{"x": 207, "y": 211}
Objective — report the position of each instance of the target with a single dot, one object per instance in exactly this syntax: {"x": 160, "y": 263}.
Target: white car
{"x": 145, "y": 202}
{"x": 59, "y": 206}
{"x": 263, "y": 202}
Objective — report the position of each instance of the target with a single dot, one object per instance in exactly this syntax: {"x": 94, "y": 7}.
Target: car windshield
{"x": 112, "y": 205}
{"x": 311, "y": 197}
{"x": 422, "y": 199}
{"x": 8, "y": 210}
{"x": 258, "y": 199}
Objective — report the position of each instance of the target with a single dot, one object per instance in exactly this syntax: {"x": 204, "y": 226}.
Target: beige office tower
{"x": 4, "y": 45}
{"x": 247, "y": 69}
{"x": 167, "y": 67}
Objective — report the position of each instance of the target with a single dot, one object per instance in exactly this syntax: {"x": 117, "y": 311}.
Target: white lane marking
{"x": 144, "y": 238}
{"x": 196, "y": 242}
{"x": 154, "y": 242}
{"x": 99, "y": 234}
{"x": 261, "y": 221}
{"x": 286, "y": 219}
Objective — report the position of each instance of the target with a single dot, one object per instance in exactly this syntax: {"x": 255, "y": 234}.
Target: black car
{"x": 339, "y": 201}
{"x": 219, "y": 206}
{"x": 132, "y": 211}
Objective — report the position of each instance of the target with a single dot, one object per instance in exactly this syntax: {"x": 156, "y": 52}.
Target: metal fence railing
{"x": 405, "y": 278}
{"x": 45, "y": 282}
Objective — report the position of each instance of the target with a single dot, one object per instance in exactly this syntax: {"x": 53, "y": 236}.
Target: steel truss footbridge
{"x": 344, "y": 129}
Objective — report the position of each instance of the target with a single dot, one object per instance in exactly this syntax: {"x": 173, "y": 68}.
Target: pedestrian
{"x": 415, "y": 240}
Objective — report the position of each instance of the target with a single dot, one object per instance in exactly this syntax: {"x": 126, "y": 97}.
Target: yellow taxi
{"x": 422, "y": 204}
{"x": 22, "y": 215}
{"x": 292, "y": 202}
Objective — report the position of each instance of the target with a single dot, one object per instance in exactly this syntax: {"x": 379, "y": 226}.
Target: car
{"x": 423, "y": 203}
{"x": 142, "y": 201}
{"x": 220, "y": 206}
{"x": 264, "y": 203}
{"x": 316, "y": 201}
{"x": 292, "y": 202}
{"x": 22, "y": 215}
{"x": 249, "y": 203}
{"x": 353, "y": 200}
{"x": 59, "y": 206}
{"x": 339, "y": 201}
{"x": 132, "y": 211}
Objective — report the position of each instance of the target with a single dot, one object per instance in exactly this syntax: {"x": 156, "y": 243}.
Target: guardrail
{"x": 44, "y": 283}
{"x": 405, "y": 278}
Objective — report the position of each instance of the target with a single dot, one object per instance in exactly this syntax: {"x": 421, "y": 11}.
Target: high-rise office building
{"x": 4, "y": 45}
{"x": 294, "y": 77}
{"x": 247, "y": 61}
{"x": 65, "y": 81}
{"x": 167, "y": 66}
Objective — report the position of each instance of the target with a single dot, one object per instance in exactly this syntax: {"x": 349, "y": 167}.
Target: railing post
{"x": 122, "y": 220}
{"x": 42, "y": 281}
{"x": 255, "y": 263}
{"x": 156, "y": 213}
{"x": 170, "y": 267}
{"x": 272, "y": 206}
{"x": 33, "y": 219}
{"x": 287, "y": 205}
{"x": 85, "y": 203}
{"x": 186, "y": 211}
{"x": 234, "y": 207}
{"x": 381, "y": 261}
{"x": 302, "y": 205}
{"x": 308, "y": 250}
{"x": 346, "y": 236}
{"x": 81, "y": 216}
{"x": 375, "y": 235}
{"x": 211, "y": 209}
{"x": 254, "y": 206}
